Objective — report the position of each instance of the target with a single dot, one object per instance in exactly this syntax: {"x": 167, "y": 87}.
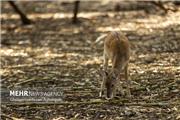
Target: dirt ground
{"x": 53, "y": 53}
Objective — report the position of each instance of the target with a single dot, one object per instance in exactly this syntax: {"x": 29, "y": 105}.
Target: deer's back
{"x": 117, "y": 45}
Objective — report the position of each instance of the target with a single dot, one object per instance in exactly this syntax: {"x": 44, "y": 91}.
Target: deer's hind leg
{"x": 127, "y": 81}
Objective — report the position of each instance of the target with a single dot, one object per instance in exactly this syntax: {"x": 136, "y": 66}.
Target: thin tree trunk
{"x": 22, "y": 15}
{"x": 75, "y": 11}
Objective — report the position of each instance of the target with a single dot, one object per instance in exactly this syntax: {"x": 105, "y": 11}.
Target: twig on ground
{"x": 117, "y": 102}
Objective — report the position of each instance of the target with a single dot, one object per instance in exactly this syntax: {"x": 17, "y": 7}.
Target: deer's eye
{"x": 112, "y": 85}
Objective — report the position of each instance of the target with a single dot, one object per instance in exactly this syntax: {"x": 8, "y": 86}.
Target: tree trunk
{"x": 22, "y": 15}
{"x": 75, "y": 11}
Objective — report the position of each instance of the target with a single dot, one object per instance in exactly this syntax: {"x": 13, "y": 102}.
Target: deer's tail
{"x": 99, "y": 39}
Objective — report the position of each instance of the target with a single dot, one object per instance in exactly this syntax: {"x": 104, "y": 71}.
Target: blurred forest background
{"x": 52, "y": 48}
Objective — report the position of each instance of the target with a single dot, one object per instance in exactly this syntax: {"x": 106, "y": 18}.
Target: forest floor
{"x": 54, "y": 53}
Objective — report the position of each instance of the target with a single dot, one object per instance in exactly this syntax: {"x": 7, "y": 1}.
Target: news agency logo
{"x": 16, "y": 93}
{"x": 34, "y": 95}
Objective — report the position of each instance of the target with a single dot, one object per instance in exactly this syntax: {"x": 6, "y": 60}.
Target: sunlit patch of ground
{"x": 55, "y": 53}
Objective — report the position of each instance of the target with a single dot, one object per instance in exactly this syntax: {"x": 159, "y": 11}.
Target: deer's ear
{"x": 114, "y": 75}
{"x": 105, "y": 73}
{"x": 101, "y": 72}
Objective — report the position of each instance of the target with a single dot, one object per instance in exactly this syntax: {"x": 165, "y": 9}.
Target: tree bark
{"x": 22, "y": 15}
{"x": 75, "y": 11}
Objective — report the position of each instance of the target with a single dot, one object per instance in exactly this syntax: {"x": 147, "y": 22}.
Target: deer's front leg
{"x": 128, "y": 81}
{"x": 102, "y": 88}
{"x": 120, "y": 88}
{"x": 105, "y": 64}
{"x": 105, "y": 61}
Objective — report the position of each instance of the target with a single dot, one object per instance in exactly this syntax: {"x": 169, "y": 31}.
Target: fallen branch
{"x": 22, "y": 82}
{"x": 33, "y": 65}
{"x": 116, "y": 102}
{"x": 161, "y": 6}
{"x": 8, "y": 117}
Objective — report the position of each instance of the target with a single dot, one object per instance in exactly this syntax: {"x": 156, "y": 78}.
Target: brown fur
{"x": 117, "y": 49}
